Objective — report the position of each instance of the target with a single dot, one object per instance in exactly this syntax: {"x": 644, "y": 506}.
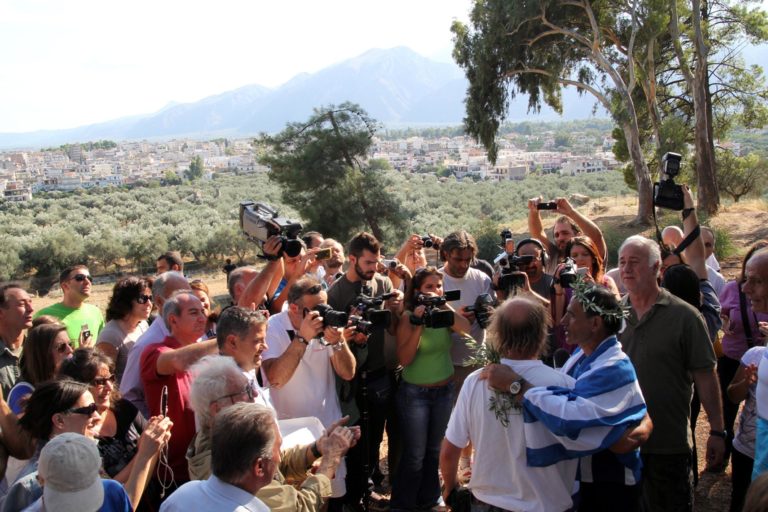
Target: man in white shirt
{"x": 245, "y": 453}
{"x": 130, "y": 386}
{"x": 242, "y": 335}
{"x": 501, "y": 476}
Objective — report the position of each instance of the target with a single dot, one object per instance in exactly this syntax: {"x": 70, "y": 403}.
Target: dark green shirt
{"x": 9, "y": 368}
{"x": 665, "y": 346}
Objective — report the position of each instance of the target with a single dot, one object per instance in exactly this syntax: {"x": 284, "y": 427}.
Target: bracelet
{"x": 717, "y": 433}
{"x": 687, "y": 212}
{"x": 300, "y": 339}
{"x": 315, "y": 452}
{"x": 415, "y": 320}
{"x": 338, "y": 347}
{"x": 268, "y": 257}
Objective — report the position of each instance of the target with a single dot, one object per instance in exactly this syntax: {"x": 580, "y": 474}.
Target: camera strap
{"x": 688, "y": 240}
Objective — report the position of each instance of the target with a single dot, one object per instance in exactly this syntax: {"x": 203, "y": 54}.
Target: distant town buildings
{"x": 72, "y": 167}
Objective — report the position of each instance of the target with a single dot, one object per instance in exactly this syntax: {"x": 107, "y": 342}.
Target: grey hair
{"x": 242, "y": 434}
{"x": 654, "y": 252}
{"x": 171, "y": 307}
{"x": 238, "y": 321}
{"x": 526, "y": 335}
{"x": 212, "y": 377}
{"x": 162, "y": 281}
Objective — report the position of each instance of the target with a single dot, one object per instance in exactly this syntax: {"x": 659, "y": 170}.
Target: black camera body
{"x": 332, "y": 318}
{"x": 361, "y": 325}
{"x": 482, "y": 309}
{"x": 666, "y": 193}
{"x": 429, "y": 242}
{"x": 368, "y": 307}
{"x": 259, "y": 222}
{"x": 434, "y": 317}
{"x": 568, "y": 274}
{"x": 511, "y": 264}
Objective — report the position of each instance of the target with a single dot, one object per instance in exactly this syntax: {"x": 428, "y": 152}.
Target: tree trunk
{"x": 708, "y": 194}
{"x": 642, "y": 176}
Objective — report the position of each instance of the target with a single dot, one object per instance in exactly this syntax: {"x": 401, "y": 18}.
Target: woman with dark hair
{"x": 55, "y": 407}
{"x": 743, "y": 348}
{"x": 120, "y": 424}
{"x": 585, "y": 255}
{"x": 127, "y": 313}
{"x": 425, "y": 396}
{"x": 47, "y": 345}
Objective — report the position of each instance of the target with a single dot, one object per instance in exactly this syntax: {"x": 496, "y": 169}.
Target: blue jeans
{"x": 423, "y": 413}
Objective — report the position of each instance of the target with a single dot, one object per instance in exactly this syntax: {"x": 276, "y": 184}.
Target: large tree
{"x": 325, "y": 173}
{"x": 538, "y": 47}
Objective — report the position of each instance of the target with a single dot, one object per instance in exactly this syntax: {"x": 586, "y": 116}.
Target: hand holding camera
{"x": 311, "y": 324}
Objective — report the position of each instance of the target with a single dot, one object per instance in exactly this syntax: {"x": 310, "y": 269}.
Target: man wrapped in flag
{"x": 602, "y": 419}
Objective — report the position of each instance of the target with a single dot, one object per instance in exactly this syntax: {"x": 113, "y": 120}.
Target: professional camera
{"x": 389, "y": 264}
{"x": 511, "y": 265}
{"x": 568, "y": 274}
{"x": 331, "y": 318}
{"x": 667, "y": 194}
{"x": 368, "y": 307}
{"x": 429, "y": 242}
{"x": 259, "y": 222}
{"x": 434, "y": 317}
{"x": 482, "y": 309}
{"x": 361, "y": 325}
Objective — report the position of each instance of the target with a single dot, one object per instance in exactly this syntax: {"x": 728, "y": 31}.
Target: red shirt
{"x": 179, "y": 407}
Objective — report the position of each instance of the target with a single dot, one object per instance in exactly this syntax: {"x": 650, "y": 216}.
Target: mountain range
{"x": 396, "y": 86}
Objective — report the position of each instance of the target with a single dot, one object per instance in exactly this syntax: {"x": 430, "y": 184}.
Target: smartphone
{"x": 551, "y": 205}
{"x": 323, "y": 254}
{"x": 164, "y": 401}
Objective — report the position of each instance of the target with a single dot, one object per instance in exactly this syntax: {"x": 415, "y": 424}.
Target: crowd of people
{"x": 544, "y": 381}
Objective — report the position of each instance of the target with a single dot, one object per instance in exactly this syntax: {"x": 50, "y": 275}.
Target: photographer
{"x": 425, "y": 394}
{"x": 540, "y": 282}
{"x": 303, "y": 357}
{"x": 583, "y": 254}
{"x": 570, "y": 224}
{"x": 368, "y": 398}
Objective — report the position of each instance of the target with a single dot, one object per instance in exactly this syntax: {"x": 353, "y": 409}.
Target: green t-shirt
{"x": 432, "y": 363}
{"x": 75, "y": 318}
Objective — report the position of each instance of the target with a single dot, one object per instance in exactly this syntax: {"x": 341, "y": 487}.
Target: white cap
{"x": 69, "y": 465}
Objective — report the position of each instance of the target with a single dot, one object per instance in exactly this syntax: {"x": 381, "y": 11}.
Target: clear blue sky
{"x": 66, "y": 64}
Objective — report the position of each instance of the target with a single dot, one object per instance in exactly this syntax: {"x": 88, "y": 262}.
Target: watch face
{"x": 515, "y": 387}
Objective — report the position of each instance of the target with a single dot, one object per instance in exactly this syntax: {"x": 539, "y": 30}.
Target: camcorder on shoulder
{"x": 434, "y": 317}
{"x": 259, "y": 222}
{"x": 666, "y": 193}
{"x": 510, "y": 264}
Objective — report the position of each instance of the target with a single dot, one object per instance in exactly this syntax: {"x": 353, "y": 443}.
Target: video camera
{"x": 368, "y": 307}
{"x": 482, "y": 309}
{"x": 330, "y": 317}
{"x": 666, "y": 193}
{"x": 259, "y": 222}
{"x": 569, "y": 273}
{"x": 434, "y": 317}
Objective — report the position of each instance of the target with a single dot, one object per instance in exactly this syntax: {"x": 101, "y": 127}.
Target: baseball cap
{"x": 69, "y": 464}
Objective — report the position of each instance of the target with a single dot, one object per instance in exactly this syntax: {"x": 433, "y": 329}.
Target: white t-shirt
{"x": 501, "y": 476}
{"x": 311, "y": 391}
{"x": 746, "y": 429}
{"x": 474, "y": 283}
{"x": 260, "y": 395}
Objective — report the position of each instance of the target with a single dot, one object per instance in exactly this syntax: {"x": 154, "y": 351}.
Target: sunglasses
{"x": 82, "y": 277}
{"x": 248, "y": 391}
{"x": 62, "y": 347}
{"x": 85, "y": 411}
{"x": 143, "y": 299}
{"x": 102, "y": 381}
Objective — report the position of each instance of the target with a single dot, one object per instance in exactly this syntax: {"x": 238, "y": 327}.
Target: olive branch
{"x": 500, "y": 403}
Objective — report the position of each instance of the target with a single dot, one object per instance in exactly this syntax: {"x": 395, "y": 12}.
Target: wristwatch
{"x": 515, "y": 387}
{"x": 717, "y": 433}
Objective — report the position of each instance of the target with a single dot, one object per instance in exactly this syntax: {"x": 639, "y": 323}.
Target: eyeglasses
{"x": 85, "y": 411}
{"x": 62, "y": 347}
{"x": 102, "y": 381}
{"x": 143, "y": 299}
{"x": 82, "y": 277}
{"x": 247, "y": 390}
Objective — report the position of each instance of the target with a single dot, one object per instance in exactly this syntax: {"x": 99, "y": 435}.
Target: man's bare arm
{"x": 588, "y": 227}
{"x": 178, "y": 360}
{"x": 535, "y": 226}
